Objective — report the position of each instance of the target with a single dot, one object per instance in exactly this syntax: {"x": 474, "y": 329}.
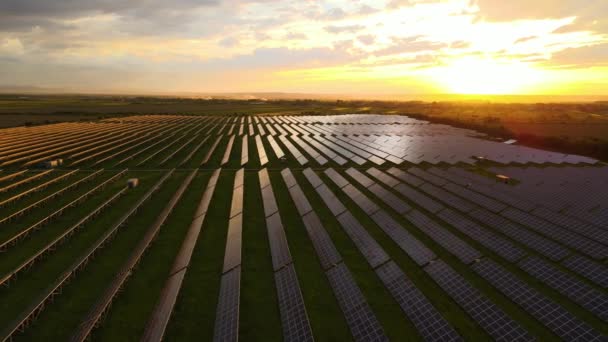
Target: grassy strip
{"x": 131, "y": 309}
{"x": 259, "y": 316}
{"x": 194, "y": 311}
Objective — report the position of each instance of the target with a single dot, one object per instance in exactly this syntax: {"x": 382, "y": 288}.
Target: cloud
{"x": 343, "y": 29}
{"x": 278, "y": 58}
{"x": 588, "y": 56}
{"x": 295, "y": 36}
{"x": 525, "y": 39}
{"x": 10, "y": 47}
{"x": 367, "y": 10}
{"x": 590, "y": 14}
{"x": 229, "y": 42}
{"x": 367, "y": 39}
{"x": 401, "y": 45}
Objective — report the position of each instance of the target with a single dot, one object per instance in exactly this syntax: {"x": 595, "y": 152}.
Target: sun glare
{"x": 486, "y": 76}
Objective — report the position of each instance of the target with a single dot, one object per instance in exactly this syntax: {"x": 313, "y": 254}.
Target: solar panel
{"x": 239, "y": 178}
{"x": 487, "y": 314}
{"x": 573, "y": 224}
{"x": 275, "y": 147}
{"x": 503, "y": 197}
{"x": 245, "y": 150}
{"x": 312, "y": 177}
{"x": 532, "y": 240}
{"x": 330, "y": 200}
{"x": 592, "y": 270}
{"x": 360, "y": 199}
{"x": 237, "y": 201}
{"x": 294, "y": 319}
{"x": 371, "y": 250}
{"x": 324, "y": 247}
{"x": 408, "y": 243}
{"x": 492, "y": 241}
{"x": 390, "y": 199}
{"x": 228, "y": 150}
{"x": 300, "y": 200}
{"x": 426, "y": 318}
{"x": 427, "y": 176}
{"x": 288, "y": 177}
{"x": 420, "y": 199}
{"x": 279, "y": 248}
{"x": 336, "y": 178}
{"x": 383, "y": 177}
{"x": 360, "y": 177}
{"x": 446, "y": 197}
{"x": 232, "y": 256}
{"x": 476, "y": 197}
{"x": 270, "y": 204}
{"x": 260, "y": 148}
{"x": 227, "y": 313}
{"x": 586, "y": 296}
{"x": 552, "y": 315}
{"x": 376, "y": 160}
{"x": 311, "y": 151}
{"x": 264, "y": 178}
{"x": 443, "y": 237}
{"x": 406, "y": 177}
{"x": 581, "y": 244}
{"x": 293, "y": 150}
{"x": 363, "y": 324}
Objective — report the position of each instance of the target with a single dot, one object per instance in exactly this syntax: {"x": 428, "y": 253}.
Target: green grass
{"x": 259, "y": 309}
{"x": 194, "y": 312}
{"x": 131, "y": 309}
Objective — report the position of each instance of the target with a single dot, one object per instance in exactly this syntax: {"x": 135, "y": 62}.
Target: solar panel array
{"x": 538, "y": 242}
{"x": 227, "y": 315}
{"x": 362, "y": 322}
{"x": 489, "y": 316}
{"x": 586, "y": 296}
{"x": 552, "y": 315}
{"x": 227, "y": 312}
{"x": 336, "y": 138}
{"x": 428, "y": 321}
{"x": 294, "y": 319}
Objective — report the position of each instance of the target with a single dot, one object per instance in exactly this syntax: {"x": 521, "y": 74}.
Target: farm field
{"x": 296, "y": 227}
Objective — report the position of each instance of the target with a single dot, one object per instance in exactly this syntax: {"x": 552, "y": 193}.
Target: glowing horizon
{"x": 546, "y": 47}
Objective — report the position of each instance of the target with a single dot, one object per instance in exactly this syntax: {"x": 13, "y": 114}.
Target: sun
{"x": 486, "y": 76}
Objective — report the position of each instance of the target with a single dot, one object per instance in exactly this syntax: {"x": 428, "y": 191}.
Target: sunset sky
{"x": 349, "y": 46}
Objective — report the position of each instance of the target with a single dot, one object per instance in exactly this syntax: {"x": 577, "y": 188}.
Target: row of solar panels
{"x": 561, "y": 321}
